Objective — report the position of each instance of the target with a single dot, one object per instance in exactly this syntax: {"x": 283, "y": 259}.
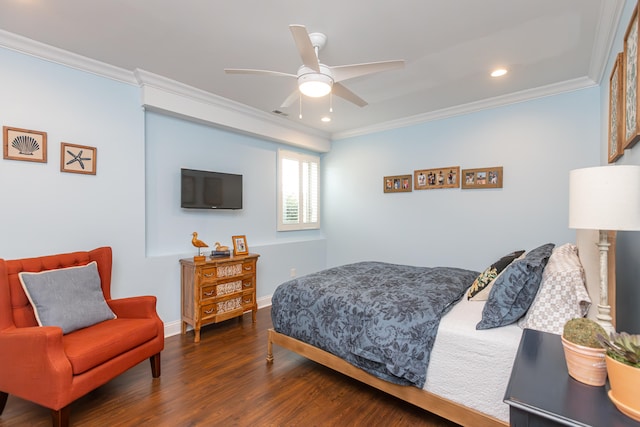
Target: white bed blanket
{"x": 472, "y": 367}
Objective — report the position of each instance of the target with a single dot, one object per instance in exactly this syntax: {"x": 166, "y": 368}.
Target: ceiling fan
{"x": 316, "y": 79}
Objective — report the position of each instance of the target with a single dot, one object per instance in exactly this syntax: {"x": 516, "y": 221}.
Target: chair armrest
{"x": 38, "y": 351}
{"x": 134, "y": 307}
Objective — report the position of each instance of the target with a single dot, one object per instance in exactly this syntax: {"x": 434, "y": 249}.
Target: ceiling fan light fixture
{"x": 315, "y": 85}
{"x": 499, "y": 72}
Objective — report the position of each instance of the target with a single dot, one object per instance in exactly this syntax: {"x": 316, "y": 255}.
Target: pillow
{"x": 70, "y": 298}
{"x": 480, "y": 288}
{"x": 562, "y": 295}
{"x": 515, "y": 289}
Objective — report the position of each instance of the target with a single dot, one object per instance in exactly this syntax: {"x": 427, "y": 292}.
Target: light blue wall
{"x": 536, "y": 142}
{"x": 132, "y": 202}
{"x": 45, "y": 211}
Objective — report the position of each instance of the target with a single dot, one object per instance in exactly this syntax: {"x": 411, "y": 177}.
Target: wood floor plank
{"x": 225, "y": 381}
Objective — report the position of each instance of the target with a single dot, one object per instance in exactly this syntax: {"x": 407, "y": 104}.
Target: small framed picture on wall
{"x": 482, "y": 177}
{"x": 397, "y": 184}
{"x": 78, "y": 158}
{"x": 24, "y": 144}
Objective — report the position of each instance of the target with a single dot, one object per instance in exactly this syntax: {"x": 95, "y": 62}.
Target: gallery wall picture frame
{"x": 430, "y": 179}
{"x": 482, "y": 177}
{"x": 240, "y": 245}
{"x": 615, "y": 149}
{"x": 631, "y": 94}
{"x": 397, "y": 184}
{"x": 78, "y": 158}
{"x": 24, "y": 144}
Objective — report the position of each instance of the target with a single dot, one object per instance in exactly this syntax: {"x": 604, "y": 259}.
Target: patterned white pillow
{"x": 562, "y": 294}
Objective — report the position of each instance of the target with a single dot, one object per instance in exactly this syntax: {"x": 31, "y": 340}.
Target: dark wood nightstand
{"x": 541, "y": 393}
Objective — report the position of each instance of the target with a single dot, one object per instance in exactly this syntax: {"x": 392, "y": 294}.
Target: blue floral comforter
{"x": 380, "y": 317}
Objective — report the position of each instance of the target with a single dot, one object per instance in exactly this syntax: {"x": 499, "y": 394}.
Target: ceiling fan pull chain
{"x": 300, "y": 106}
{"x": 331, "y": 102}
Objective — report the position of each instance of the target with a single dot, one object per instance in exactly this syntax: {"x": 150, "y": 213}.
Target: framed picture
{"x": 482, "y": 178}
{"x": 24, "y": 144}
{"x": 631, "y": 126}
{"x": 240, "y": 245}
{"x": 615, "y": 149}
{"x": 397, "y": 184}
{"x": 77, "y": 158}
{"x": 428, "y": 179}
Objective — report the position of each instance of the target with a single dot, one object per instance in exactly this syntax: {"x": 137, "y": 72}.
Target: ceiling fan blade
{"x": 341, "y": 91}
{"x": 252, "y": 71}
{"x": 295, "y": 95}
{"x": 345, "y": 72}
{"x": 305, "y": 47}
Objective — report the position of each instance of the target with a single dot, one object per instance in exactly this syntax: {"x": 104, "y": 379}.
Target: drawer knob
{"x": 209, "y": 293}
{"x": 208, "y": 275}
{"x": 211, "y": 310}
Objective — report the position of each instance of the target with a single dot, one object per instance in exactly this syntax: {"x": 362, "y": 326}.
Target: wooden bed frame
{"x": 435, "y": 404}
{"x": 458, "y": 413}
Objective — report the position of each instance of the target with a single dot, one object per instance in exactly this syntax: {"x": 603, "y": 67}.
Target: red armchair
{"x": 42, "y": 365}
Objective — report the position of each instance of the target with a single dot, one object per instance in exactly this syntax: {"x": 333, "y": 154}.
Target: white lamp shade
{"x": 605, "y": 198}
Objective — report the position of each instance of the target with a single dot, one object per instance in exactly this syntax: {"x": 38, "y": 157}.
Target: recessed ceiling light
{"x": 326, "y": 119}
{"x": 499, "y": 72}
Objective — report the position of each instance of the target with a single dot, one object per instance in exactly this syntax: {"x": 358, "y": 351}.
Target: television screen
{"x": 210, "y": 190}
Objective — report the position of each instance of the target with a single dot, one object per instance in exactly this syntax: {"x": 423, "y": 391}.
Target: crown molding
{"x": 610, "y": 15}
{"x": 472, "y": 107}
{"x": 59, "y": 56}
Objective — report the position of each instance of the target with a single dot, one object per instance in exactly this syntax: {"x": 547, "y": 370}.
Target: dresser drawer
{"x": 208, "y": 274}
{"x": 222, "y": 288}
{"x": 247, "y": 300}
{"x": 248, "y": 267}
{"x": 220, "y": 307}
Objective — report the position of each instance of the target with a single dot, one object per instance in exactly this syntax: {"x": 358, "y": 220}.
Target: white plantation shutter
{"x": 298, "y": 191}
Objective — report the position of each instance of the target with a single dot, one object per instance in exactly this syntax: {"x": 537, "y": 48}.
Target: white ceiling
{"x": 449, "y": 46}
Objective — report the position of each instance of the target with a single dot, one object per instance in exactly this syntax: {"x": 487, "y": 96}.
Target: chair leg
{"x": 155, "y": 365}
{"x": 60, "y": 418}
{"x": 3, "y": 400}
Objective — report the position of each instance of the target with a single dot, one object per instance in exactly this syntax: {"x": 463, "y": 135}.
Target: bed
{"x": 348, "y": 345}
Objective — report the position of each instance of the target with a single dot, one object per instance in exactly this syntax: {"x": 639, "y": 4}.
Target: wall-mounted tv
{"x": 210, "y": 190}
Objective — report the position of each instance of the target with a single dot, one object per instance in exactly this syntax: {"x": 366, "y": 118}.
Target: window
{"x": 298, "y": 191}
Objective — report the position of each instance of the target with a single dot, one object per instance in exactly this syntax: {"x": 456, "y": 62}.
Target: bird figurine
{"x": 198, "y": 243}
{"x": 220, "y": 248}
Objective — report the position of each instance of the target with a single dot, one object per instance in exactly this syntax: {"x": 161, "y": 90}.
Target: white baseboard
{"x": 175, "y": 327}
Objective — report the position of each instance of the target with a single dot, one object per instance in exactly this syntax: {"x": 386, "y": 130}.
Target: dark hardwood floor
{"x": 225, "y": 381}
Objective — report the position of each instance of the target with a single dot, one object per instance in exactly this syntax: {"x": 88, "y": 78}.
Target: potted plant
{"x": 584, "y": 352}
{"x": 623, "y": 366}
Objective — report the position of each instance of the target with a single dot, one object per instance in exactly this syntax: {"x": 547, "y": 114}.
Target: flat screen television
{"x": 210, "y": 190}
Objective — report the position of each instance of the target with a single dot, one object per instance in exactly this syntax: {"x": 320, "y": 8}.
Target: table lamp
{"x": 605, "y": 198}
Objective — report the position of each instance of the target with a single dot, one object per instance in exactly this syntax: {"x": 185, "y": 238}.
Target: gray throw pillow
{"x": 515, "y": 289}
{"x": 70, "y": 298}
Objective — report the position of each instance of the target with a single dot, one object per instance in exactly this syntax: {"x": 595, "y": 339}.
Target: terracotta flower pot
{"x": 624, "y": 380}
{"x": 585, "y": 364}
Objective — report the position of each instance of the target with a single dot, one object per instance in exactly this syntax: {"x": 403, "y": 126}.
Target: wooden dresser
{"x": 217, "y": 289}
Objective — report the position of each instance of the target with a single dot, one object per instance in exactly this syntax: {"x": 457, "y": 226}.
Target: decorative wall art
{"x": 428, "y": 179}
{"x": 240, "y": 245}
{"x": 615, "y": 149}
{"x": 397, "y": 184}
{"x": 482, "y": 177}
{"x": 24, "y": 144}
{"x": 631, "y": 125}
{"x": 77, "y": 158}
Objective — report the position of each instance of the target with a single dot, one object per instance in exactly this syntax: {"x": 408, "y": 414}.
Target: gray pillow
{"x": 515, "y": 289}
{"x": 71, "y": 297}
